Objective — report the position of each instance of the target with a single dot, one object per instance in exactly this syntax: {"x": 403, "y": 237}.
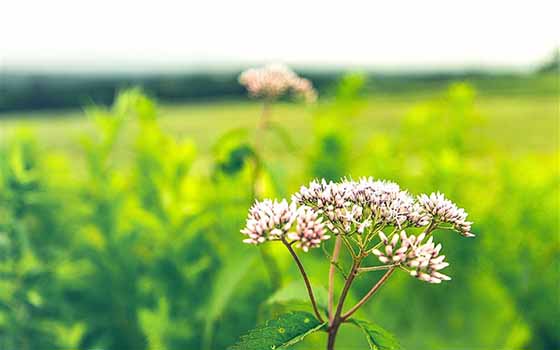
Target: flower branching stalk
{"x": 305, "y": 279}
{"x": 332, "y": 273}
{"x": 367, "y": 218}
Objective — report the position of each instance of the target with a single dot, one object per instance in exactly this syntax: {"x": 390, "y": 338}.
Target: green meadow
{"x": 520, "y": 123}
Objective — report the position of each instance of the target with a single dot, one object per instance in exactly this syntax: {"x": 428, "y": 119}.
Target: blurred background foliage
{"x": 126, "y": 235}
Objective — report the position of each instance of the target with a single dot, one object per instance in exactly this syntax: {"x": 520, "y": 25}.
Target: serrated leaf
{"x": 377, "y": 337}
{"x": 284, "y": 331}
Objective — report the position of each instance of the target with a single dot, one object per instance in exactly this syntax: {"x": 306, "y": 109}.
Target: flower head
{"x": 346, "y": 202}
{"x": 268, "y": 220}
{"x": 420, "y": 258}
{"x": 385, "y": 199}
{"x": 273, "y": 81}
{"x": 324, "y": 195}
{"x": 304, "y": 88}
{"x": 310, "y": 229}
{"x": 436, "y": 206}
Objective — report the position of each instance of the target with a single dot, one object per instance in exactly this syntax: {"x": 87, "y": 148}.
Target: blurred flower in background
{"x": 273, "y": 81}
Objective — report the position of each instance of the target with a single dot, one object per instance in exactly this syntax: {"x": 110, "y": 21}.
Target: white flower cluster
{"x": 374, "y": 203}
{"x": 268, "y": 220}
{"x": 365, "y": 207}
{"x": 330, "y": 198}
{"x": 310, "y": 229}
{"x": 347, "y": 202}
{"x": 422, "y": 258}
{"x": 273, "y": 220}
{"x": 385, "y": 199}
{"x": 274, "y": 80}
{"x": 436, "y": 206}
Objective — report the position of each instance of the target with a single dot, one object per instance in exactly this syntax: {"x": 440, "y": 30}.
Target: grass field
{"x": 516, "y": 123}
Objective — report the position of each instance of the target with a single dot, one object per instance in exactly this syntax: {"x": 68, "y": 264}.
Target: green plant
{"x": 357, "y": 213}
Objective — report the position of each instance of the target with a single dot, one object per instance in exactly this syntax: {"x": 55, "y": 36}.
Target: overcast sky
{"x": 137, "y": 34}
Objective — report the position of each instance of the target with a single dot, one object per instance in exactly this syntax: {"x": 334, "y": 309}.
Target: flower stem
{"x": 346, "y": 289}
{"x": 332, "y": 337}
{"x": 259, "y": 134}
{"x": 349, "y": 247}
{"x": 262, "y": 125}
{"x": 306, "y": 280}
{"x": 332, "y": 271}
{"x": 334, "y": 325}
{"x": 369, "y": 294}
{"x": 268, "y": 260}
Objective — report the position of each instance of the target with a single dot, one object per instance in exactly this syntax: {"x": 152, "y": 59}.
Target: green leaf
{"x": 154, "y": 324}
{"x": 377, "y": 337}
{"x": 287, "y": 330}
